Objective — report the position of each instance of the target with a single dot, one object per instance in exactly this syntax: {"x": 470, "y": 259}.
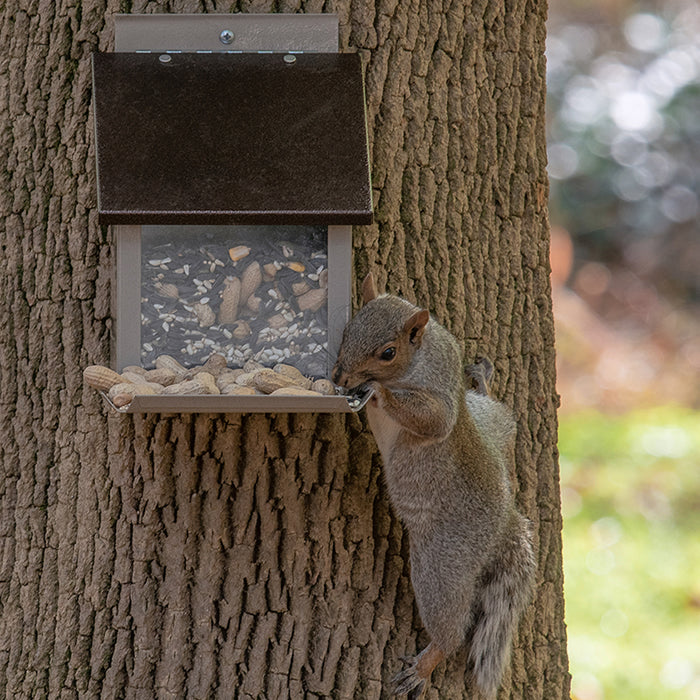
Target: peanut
{"x": 246, "y": 379}
{"x": 254, "y": 303}
{"x": 269, "y": 272}
{"x": 189, "y": 386}
{"x": 294, "y": 374}
{"x": 267, "y": 380}
{"x": 167, "y": 362}
{"x": 238, "y": 390}
{"x": 205, "y": 315}
{"x": 250, "y": 280}
{"x": 299, "y": 288}
{"x": 277, "y": 321}
{"x": 324, "y": 386}
{"x": 208, "y": 382}
{"x": 242, "y": 329}
{"x": 132, "y": 389}
{"x": 134, "y": 377}
{"x": 294, "y": 391}
{"x": 121, "y": 400}
{"x": 101, "y": 378}
{"x": 170, "y": 291}
{"x": 228, "y": 378}
{"x": 163, "y": 376}
{"x": 215, "y": 364}
{"x": 312, "y": 300}
{"x": 136, "y": 369}
{"x": 230, "y": 298}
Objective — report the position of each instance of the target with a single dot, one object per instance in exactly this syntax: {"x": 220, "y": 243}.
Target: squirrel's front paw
{"x": 408, "y": 682}
{"x": 380, "y": 392}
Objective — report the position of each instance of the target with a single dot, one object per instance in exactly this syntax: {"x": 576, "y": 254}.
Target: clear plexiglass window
{"x": 247, "y": 292}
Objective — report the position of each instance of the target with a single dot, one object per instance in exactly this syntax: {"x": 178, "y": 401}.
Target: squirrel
{"x": 445, "y": 451}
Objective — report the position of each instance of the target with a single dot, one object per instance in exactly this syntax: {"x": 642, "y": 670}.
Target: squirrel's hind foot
{"x": 408, "y": 682}
{"x": 480, "y": 374}
{"x": 412, "y": 681}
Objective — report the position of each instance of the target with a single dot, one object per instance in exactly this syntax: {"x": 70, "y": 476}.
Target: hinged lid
{"x": 185, "y": 138}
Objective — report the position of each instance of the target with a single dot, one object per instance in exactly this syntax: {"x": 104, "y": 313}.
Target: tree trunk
{"x": 257, "y": 556}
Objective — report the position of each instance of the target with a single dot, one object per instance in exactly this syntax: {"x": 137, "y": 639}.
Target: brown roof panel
{"x": 231, "y": 138}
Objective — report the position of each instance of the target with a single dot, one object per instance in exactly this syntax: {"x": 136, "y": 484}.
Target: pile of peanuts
{"x": 213, "y": 377}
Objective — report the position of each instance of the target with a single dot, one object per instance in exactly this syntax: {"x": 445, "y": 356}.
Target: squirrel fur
{"x": 446, "y": 452}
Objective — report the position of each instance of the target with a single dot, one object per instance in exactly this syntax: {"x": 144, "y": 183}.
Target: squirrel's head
{"x": 380, "y": 340}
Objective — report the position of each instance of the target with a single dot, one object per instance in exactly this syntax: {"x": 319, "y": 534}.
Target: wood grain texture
{"x": 257, "y": 556}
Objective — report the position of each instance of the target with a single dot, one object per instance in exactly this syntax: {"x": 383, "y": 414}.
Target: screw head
{"x": 290, "y": 58}
{"x": 165, "y": 58}
{"x": 226, "y": 36}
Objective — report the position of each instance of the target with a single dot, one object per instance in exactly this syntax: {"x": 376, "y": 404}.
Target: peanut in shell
{"x": 324, "y": 386}
{"x": 277, "y": 321}
{"x": 267, "y": 380}
{"x": 167, "y": 362}
{"x": 205, "y": 315}
{"x": 293, "y": 373}
{"x": 246, "y": 379}
{"x": 188, "y": 387}
{"x": 101, "y": 378}
{"x": 312, "y": 300}
{"x": 122, "y": 398}
{"x": 136, "y": 369}
{"x": 215, "y": 364}
{"x": 208, "y": 382}
{"x": 238, "y": 390}
{"x": 134, "y": 389}
{"x": 162, "y": 376}
{"x": 250, "y": 280}
{"x": 294, "y": 391}
{"x": 242, "y": 329}
{"x": 134, "y": 377}
{"x": 230, "y": 299}
{"x": 228, "y": 378}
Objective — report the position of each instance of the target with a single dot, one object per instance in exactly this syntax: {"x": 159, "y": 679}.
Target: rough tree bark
{"x": 256, "y": 556}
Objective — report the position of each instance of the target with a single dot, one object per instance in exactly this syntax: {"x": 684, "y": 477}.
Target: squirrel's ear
{"x": 415, "y": 326}
{"x": 369, "y": 289}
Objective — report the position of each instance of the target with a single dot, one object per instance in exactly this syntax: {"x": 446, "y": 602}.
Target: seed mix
{"x": 248, "y": 295}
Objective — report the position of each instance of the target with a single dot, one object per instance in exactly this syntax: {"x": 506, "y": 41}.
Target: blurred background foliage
{"x": 624, "y": 166}
{"x": 631, "y": 505}
{"x": 624, "y": 154}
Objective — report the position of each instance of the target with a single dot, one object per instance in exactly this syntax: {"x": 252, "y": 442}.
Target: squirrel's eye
{"x": 388, "y": 354}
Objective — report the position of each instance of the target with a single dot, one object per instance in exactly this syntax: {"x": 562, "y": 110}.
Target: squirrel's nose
{"x": 338, "y": 375}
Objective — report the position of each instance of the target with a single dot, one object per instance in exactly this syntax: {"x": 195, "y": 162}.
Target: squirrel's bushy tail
{"x": 506, "y": 589}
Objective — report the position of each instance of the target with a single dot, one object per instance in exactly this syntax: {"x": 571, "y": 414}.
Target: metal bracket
{"x": 232, "y": 33}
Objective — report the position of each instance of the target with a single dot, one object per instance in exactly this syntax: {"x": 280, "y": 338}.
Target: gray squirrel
{"x": 446, "y": 452}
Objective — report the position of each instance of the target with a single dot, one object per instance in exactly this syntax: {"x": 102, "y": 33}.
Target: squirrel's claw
{"x": 408, "y": 682}
{"x": 412, "y": 681}
{"x": 417, "y": 693}
{"x": 480, "y": 374}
